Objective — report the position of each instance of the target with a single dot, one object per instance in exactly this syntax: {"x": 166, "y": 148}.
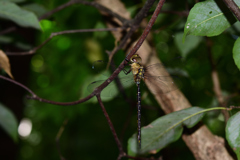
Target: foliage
{"x": 61, "y": 71}
{"x": 208, "y": 18}
{"x": 11, "y": 11}
{"x": 8, "y": 122}
{"x": 232, "y": 132}
{"x": 165, "y": 130}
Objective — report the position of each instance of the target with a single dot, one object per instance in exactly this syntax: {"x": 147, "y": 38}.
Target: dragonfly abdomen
{"x": 139, "y": 115}
{"x": 138, "y": 72}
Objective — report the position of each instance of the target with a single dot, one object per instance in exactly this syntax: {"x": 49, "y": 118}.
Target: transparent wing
{"x": 161, "y": 81}
{"x": 111, "y": 90}
{"x": 154, "y": 69}
{"x": 100, "y": 67}
{"x": 173, "y": 63}
{"x": 163, "y": 84}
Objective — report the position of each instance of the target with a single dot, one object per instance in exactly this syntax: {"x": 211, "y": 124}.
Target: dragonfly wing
{"x": 127, "y": 81}
{"x": 163, "y": 84}
{"x": 101, "y": 67}
{"x": 111, "y": 90}
{"x": 173, "y": 63}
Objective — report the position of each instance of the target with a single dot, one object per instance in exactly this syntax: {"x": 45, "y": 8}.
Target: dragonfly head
{"x": 136, "y": 59}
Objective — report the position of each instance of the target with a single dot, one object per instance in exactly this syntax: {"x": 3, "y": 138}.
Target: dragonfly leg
{"x": 126, "y": 59}
{"x": 127, "y": 72}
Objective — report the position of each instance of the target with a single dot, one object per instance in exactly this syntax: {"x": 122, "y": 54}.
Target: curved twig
{"x": 58, "y": 138}
{"x": 35, "y": 97}
{"x": 134, "y": 25}
{"x": 8, "y": 30}
{"x": 32, "y": 51}
{"x": 122, "y": 153}
{"x": 147, "y": 29}
{"x": 18, "y": 84}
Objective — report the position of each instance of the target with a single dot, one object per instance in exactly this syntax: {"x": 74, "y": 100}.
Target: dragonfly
{"x": 147, "y": 74}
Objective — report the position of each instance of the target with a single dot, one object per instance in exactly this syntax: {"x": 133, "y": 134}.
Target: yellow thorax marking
{"x": 135, "y": 67}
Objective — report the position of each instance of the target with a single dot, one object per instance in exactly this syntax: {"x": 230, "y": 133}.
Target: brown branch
{"x": 143, "y": 12}
{"x": 93, "y": 4}
{"x": 8, "y": 30}
{"x": 122, "y": 43}
{"x": 147, "y": 29}
{"x": 134, "y": 25}
{"x": 62, "y": 103}
{"x": 122, "y": 153}
{"x": 233, "y": 7}
{"x": 179, "y": 13}
{"x": 35, "y": 97}
{"x": 32, "y": 51}
{"x": 18, "y": 84}
{"x": 59, "y": 134}
{"x": 216, "y": 83}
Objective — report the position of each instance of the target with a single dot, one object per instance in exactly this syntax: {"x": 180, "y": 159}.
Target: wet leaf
{"x": 4, "y": 63}
{"x": 8, "y": 122}
{"x": 208, "y": 18}
{"x": 164, "y": 130}
{"x": 236, "y": 53}
{"x": 233, "y": 133}
{"x": 13, "y": 12}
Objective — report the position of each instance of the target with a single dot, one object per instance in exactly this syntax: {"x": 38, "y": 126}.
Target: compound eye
{"x": 136, "y": 59}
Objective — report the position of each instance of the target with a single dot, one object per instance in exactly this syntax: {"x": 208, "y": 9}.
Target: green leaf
{"x": 164, "y": 130}
{"x": 13, "y": 12}
{"x": 8, "y": 122}
{"x": 111, "y": 91}
{"x": 236, "y": 53}
{"x": 233, "y": 133}
{"x": 208, "y": 18}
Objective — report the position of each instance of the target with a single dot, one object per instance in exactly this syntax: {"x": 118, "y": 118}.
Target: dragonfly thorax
{"x": 138, "y": 72}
